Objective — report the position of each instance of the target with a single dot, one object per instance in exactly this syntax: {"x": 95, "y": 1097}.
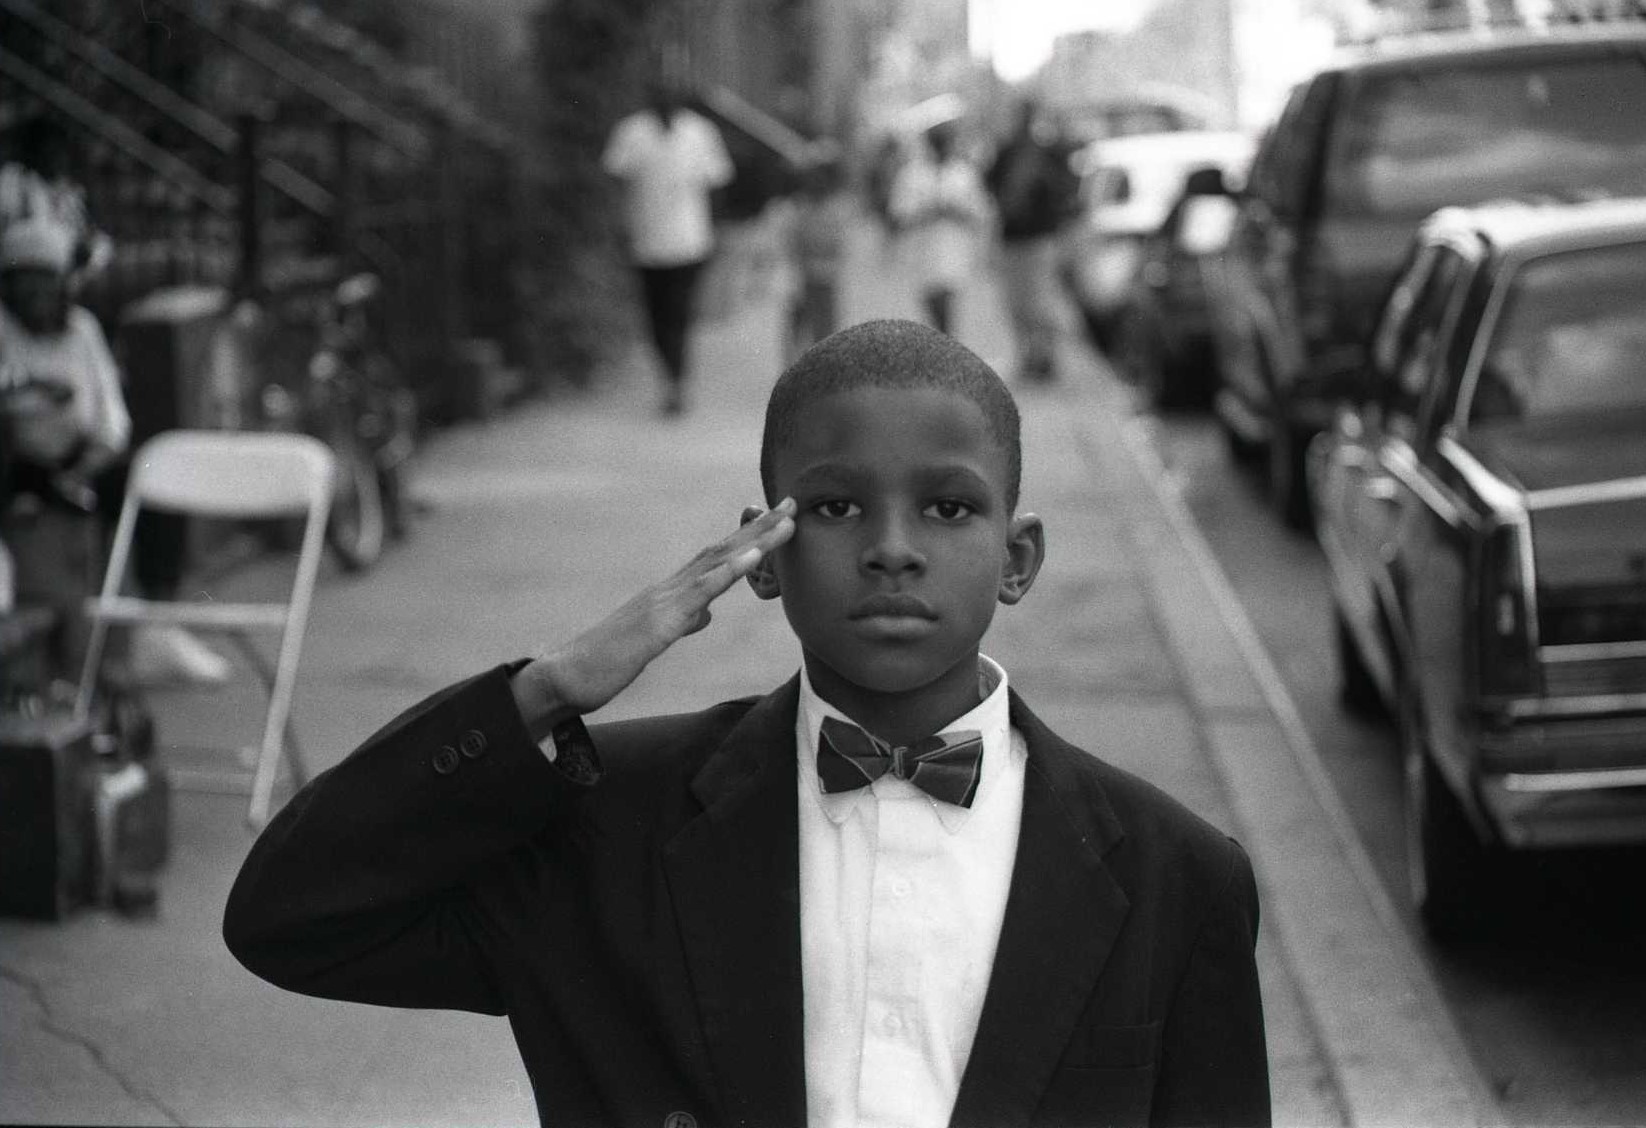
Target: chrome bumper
{"x": 1578, "y": 782}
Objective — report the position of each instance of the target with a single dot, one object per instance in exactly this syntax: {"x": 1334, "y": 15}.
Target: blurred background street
{"x": 1252, "y": 267}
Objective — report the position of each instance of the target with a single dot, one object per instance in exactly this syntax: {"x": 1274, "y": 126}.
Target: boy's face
{"x": 903, "y": 542}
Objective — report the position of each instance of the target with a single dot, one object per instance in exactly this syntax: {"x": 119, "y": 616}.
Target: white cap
{"x": 41, "y": 243}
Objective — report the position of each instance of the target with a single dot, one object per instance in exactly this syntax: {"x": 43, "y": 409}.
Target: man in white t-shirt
{"x": 669, "y": 160}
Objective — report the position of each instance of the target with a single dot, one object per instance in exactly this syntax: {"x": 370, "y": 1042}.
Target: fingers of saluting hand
{"x": 720, "y": 566}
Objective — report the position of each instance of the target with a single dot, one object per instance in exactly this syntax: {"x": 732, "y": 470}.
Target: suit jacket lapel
{"x": 1063, "y": 913}
{"x": 734, "y": 876}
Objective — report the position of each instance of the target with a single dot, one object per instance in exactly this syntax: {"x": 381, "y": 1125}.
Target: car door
{"x": 1428, "y": 549}
{"x": 1357, "y": 498}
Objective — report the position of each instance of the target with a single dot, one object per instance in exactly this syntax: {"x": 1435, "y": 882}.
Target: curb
{"x": 1387, "y": 1035}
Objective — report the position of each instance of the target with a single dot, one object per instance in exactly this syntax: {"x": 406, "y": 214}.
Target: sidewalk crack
{"x": 49, "y": 1024}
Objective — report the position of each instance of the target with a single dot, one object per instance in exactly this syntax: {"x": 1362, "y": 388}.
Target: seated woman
{"x": 66, "y": 427}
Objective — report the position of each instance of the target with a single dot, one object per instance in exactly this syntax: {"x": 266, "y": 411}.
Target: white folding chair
{"x": 226, "y": 474}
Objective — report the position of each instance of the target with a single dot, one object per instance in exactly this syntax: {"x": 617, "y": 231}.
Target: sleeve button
{"x": 473, "y": 744}
{"x": 445, "y": 760}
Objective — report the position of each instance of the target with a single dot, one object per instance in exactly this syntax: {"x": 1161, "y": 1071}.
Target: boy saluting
{"x": 883, "y": 894}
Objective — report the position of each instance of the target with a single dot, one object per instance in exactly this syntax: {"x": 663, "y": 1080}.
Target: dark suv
{"x": 1361, "y": 153}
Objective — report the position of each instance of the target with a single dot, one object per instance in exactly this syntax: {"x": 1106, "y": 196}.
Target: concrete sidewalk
{"x": 544, "y": 519}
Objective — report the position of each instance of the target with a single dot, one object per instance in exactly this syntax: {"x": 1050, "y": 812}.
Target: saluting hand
{"x": 594, "y": 667}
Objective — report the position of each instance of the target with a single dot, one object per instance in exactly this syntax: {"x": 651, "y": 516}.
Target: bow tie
{"x": 946, "y": 767}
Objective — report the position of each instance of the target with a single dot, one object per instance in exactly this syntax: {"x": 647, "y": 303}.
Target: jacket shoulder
{"x": 676, "y": 743}
{"x": 1153, "y": 832}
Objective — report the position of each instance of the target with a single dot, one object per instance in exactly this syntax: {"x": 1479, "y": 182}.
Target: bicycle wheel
{"x": 356, "y": 528}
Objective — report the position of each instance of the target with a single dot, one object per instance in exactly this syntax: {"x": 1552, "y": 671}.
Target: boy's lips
{"x": 893, "y": 605}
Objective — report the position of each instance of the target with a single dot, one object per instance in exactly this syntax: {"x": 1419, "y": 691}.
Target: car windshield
{"x": 1571, "y": 338}
{"x": 1424, "y": 140}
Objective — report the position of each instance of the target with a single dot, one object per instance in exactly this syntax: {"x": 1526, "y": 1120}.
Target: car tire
{"x": 1356, "y": 688}
{"x": 1288, "y": 475}
{"x": 1453, "y": 877}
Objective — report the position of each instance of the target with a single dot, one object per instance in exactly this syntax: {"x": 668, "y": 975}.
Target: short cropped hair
{"x": 890, "y": 354}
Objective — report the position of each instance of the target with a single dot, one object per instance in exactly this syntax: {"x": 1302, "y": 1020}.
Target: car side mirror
{"x": 1206, "y": 182}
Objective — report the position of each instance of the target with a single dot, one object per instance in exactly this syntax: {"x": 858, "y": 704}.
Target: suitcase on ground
{"x": 47, "y": 834}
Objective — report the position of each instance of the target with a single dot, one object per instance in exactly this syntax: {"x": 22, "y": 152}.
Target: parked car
{"x": 1484, "y": 521}
{"x": 1164, "y": 341}
{"x": 1140, "y": 111}
{"x": 1361, "y": 153}
{"x": 1127, "y": 186}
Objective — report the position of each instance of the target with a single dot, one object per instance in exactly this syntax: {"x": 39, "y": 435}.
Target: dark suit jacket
{"x": 642, "y": 933}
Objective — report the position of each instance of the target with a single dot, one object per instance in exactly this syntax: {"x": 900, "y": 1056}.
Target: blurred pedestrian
{"x": 669, "y": 159}
{"x": 35, "y": 183}
{"x": 66, "y": 432}
{"x": 819, "y": 227}
{"x": 939, "y": 204}
{"x": 882, "y": 174}
{"x": 1036, "y": 192}
{"x": 65, "y": 422}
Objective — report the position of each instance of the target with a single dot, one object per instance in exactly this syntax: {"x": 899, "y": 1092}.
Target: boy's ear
{"x": 1025, "y": 552}
{"x": 763, "y": 578}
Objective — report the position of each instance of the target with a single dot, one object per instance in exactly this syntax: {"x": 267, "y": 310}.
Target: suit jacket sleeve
{"x": 358, "y": 888}
{"x": 1214, "y": 1061}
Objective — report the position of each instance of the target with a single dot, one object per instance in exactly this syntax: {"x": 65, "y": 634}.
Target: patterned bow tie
{"x": 946, "y": 767}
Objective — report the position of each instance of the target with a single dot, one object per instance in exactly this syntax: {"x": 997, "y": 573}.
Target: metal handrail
{"x": 170, "y": 168}
{"x": 216, "y": 134}
{"x": 117, "y": 70}
{"x": 288, "y": 68}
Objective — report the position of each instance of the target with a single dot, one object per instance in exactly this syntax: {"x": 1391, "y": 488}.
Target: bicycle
{"x": 355, "y": 401}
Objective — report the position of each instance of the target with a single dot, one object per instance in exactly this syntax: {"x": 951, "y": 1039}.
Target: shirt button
{"x": 473, "y": 744}
{"x": 445, "y": 760}
{"x": 894, "y": 1023}
{"x": 901, "y": 887}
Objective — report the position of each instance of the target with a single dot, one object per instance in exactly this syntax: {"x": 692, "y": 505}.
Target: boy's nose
{"x": 892, "y": 550}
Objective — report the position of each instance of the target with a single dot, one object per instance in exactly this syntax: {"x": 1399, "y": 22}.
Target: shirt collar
{"x": 991, "y": 717}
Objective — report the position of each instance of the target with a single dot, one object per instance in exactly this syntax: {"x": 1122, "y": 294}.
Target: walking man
{"x": 669, "y": 159}
{"x": 1035, "y": 192}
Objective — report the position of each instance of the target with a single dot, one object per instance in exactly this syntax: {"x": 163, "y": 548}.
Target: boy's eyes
{"x": 836, "y": 508}
{"x": 944, "y": 509}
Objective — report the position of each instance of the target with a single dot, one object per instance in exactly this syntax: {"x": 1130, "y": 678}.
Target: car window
{"x": 1271, "y": 159}
{"x": 1420, "y": 140}
{"x": 1423, "y": 339}
{"x": 1570, "y": 338}
{"x": 1389, "y": 337}
{"x": 1463, "y": 337}
{"x": 1297, "y": 158}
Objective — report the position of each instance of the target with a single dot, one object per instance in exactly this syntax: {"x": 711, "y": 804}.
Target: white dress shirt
{"x": 901, "y": 902}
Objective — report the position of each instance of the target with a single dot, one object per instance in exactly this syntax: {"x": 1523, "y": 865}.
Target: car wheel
{"x": 1452, "y": 875}
{"x": 1288, "y": 476}
{"x": 1356, "y": 688}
